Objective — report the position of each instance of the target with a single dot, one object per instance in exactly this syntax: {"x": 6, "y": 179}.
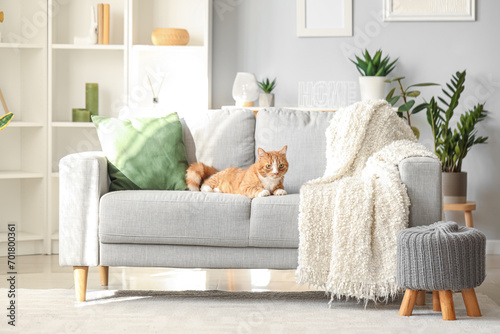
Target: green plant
{"x": 267, "y": 86}
{"x": 374, "y": 67}
{"x": 452, "y": 146}
{"x": 409, "y": 98}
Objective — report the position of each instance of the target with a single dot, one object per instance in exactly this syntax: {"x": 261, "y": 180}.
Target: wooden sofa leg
{"x": 103, "y": 275}
{"x": 436, "y": 304}
{"x": 471, "y": 304}
{"x": 421, "y": 298}
{"x": 447, "y": 306}
{"x": 80, "y": 274}
{"x": 409, "y": 299}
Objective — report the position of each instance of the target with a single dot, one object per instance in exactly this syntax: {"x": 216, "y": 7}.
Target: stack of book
{"x": 103, "y": 23}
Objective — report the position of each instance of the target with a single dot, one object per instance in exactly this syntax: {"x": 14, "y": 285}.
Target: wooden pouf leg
{"x": 408, "y": 302}
{"x": 421, "y": 298}
{"x": 471, "y": 304}
{"x": 80, "y": 274}
{"x": 103, "y": 275}
{"x": 436, "y": 304}
{"x": 447, "y": 306}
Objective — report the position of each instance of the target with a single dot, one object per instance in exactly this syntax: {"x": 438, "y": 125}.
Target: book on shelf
{"x": 103, "y": 16}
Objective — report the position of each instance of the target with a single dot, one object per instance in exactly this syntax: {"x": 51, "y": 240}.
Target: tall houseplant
{"x": 373, "y": 72}
{"x": 452, "y": 146}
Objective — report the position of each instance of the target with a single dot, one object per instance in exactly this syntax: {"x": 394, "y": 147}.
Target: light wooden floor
{"x": 44, "y": 272}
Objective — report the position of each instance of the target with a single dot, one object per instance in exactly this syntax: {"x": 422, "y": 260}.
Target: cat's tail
{"x": 197, "y": 173}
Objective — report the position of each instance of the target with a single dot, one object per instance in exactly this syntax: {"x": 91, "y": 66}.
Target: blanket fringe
{"x": 360, "y": 291}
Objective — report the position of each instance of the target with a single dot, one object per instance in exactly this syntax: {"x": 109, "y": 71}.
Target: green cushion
{"x": 144, "y": 153}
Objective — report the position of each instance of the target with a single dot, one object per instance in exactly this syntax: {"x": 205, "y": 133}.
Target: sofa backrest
{"x": 304, "y": 133}
{"x": 221, "y": 138}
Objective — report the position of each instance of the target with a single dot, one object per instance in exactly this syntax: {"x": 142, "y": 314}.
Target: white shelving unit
{"x": 43, "y": 78}
{"x": 23, "y": 149}
{"x": 121, "y": 70}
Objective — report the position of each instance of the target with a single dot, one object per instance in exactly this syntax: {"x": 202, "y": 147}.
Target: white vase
{"x": 245, "y": 89}
{"x": 372, "y": 88}
{"x": 266, "y": 100}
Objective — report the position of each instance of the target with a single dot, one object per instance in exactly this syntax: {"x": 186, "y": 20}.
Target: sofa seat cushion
{"x": 174, "y": 218}
{"x": 274, "y": 222}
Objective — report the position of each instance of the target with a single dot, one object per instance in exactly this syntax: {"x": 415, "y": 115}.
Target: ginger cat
{"x": 263, "y": 178}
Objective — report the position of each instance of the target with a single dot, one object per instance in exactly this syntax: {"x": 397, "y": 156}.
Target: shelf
{"x": 167, "y": 47}
{"x": 98, "y": 47}
{"x": 21, "y": 124}
{"x": 21, "y": 46}
{"x": 12, "y": 175}
{"x": 72, "y": 124}
{"x": 22, "y": 236}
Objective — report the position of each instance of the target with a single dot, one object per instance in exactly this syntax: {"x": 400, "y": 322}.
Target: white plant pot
{"x": 266, "y": 100}
{"x": 372, "y": 88}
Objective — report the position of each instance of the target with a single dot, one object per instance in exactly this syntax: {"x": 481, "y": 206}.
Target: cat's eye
{"x": 268, "y": 166}
{"x": 282, "y": 166}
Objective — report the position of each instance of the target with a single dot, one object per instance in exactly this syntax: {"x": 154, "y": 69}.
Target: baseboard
{"x": 492, "y": 246}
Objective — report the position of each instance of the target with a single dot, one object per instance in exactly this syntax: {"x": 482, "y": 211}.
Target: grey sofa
{"x": 208, "y": 230}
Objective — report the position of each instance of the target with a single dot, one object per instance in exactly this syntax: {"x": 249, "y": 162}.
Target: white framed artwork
{"x": 324, "y": 18}
{"x": 429, "y": 10}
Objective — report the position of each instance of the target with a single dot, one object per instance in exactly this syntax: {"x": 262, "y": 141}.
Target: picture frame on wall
{"x": 429, "y": 10}
{"x": 324, "y": 18}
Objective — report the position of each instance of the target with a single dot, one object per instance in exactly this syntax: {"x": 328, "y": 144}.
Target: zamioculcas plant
{"x": 452, "y": 146}
{"x": 406, "y": 109}
{"x": 267, "y": 86}
{"x": 374, "y": 67}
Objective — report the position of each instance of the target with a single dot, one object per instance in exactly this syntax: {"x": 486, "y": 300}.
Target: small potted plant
{"x": 452, "y": 146}
{"x": 409, "y": 96}
{"x": 266, "y": 99}
{"x": 373, "y": 72}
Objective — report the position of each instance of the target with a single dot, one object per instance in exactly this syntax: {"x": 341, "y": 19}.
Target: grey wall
{"x": 259, "y": 36}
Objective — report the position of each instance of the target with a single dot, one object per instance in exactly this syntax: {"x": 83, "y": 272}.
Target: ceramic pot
{"x": 266, "y": 100}
{"x": 372, "y": 88}
{"x": 454, "y": 188}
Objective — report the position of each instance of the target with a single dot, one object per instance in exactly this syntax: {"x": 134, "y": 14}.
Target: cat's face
{"x": 272, "y": 164}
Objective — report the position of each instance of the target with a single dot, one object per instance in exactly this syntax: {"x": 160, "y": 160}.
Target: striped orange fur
{"x": 263, "y": 178}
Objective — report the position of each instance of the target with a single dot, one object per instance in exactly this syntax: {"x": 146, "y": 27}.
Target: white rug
{"x": 110, "y": 311}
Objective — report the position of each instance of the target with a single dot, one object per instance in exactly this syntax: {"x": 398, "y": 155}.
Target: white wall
{"x": 259, "y": 36}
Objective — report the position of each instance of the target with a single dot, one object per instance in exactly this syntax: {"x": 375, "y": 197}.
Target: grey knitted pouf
{"x": 441, "y": 256}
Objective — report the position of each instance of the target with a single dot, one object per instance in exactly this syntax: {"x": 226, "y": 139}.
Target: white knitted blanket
{"x": 349, "y": 218}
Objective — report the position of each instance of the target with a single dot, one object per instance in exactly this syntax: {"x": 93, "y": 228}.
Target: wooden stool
{"x": 467, "y": 208}
{"x": 442, "y": 301}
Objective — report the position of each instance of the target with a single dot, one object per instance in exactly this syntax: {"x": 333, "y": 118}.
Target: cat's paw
{"x": 280, "y": 192}
{"x": 264, "y": 193}
{"x": 207, "y": 189}
{"x": 217, "y": 190}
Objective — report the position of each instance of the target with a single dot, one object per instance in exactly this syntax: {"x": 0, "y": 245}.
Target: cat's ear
{"x": 261, "y": 152}
{"x": 283, "y": 150}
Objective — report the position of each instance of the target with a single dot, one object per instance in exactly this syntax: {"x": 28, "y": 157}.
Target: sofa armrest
{"x": 83, "y": 179}
{"x": 422, "y": 177}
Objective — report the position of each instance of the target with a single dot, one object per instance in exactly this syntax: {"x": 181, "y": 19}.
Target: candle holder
{"x": 80, "y": 115}
{"x": 92, "y": 98}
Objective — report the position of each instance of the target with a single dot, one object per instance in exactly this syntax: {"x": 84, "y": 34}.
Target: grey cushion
{"x": 274, "y": 222}
{"x": 222, "y": 138}
{"x": 174, "y": 217}
{"x": 304, "y": 133}
{"x": 441, "y": 256}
